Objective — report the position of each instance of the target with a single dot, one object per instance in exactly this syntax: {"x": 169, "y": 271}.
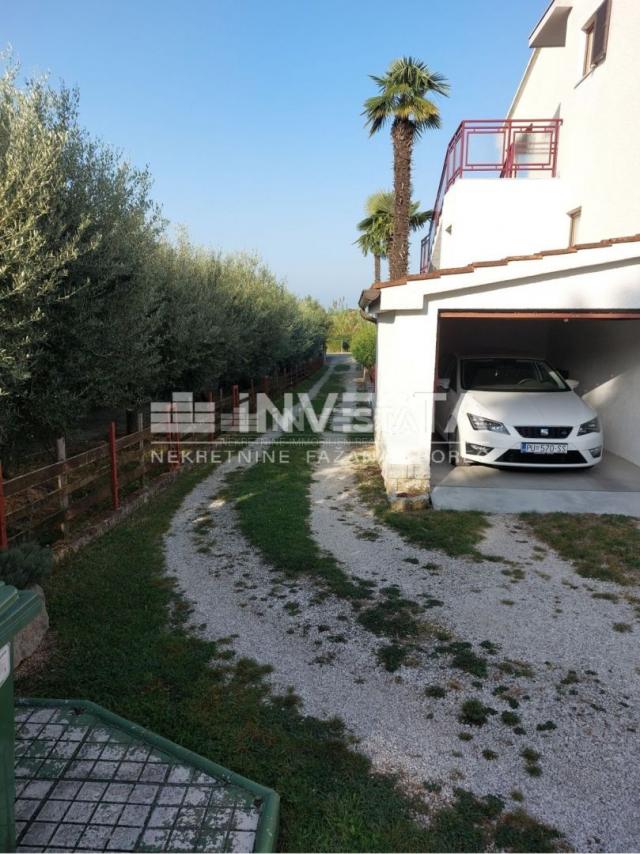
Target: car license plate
{"x": 543, "y": 448}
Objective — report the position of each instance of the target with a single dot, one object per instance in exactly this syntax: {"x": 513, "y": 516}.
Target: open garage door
{"x": 600, "y": 349}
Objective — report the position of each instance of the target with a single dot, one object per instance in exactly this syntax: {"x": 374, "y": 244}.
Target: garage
{"x": 601, "y": 351}
{"x": 577, "y": 309}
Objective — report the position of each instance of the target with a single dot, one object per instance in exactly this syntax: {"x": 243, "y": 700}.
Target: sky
{"x": 248, "y": 112}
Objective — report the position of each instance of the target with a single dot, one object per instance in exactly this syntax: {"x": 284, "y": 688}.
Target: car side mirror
{"x": 573, "y": 384}
{"x": 444, "y": 383}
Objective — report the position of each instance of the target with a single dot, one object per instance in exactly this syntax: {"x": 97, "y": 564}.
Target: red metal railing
{"x": 508, "y": 148}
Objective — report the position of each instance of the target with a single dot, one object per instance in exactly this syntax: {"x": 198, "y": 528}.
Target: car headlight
{"x": 592, "y": 426}
{"x": 479, "y": 423}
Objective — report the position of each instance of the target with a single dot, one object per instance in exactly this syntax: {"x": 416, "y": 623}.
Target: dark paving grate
{"x": 83, "y": 784}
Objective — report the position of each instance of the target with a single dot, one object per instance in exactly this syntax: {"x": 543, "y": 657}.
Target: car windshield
{"x": 509, "y": 374}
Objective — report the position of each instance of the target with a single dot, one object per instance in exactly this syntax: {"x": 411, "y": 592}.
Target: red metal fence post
{"x": 113, "y": 455}
{"x": 4, "y": 541}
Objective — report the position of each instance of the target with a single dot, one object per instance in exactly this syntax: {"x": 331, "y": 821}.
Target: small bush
{"x": 436, "y": 691}
{"x": 475, "y": 713}
{"x": 530, "y": 755}
{"x": 26, "y": 564}
{"x": 363, "y": 345}
{"x": 464, "y": 658}
{"x": 622, "y": 627}
{"x": 392, "y": 656}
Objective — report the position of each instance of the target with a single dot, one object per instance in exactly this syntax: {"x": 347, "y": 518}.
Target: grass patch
{"x": 531, "y": 758}
{"x": 117, "y": 645}
{"x": 609, "y": 597}
{"x": 519, "y": 832}
{"x": 623, "y": 628}
{"x": 392, "y": 656}
{"x": 570, "y": 679}
{"x": 121, "y": 641}
{"x": 475, "y": 713}
{"x": 454, "y": 532}
{"x": 481, "y": 824}
{"x": 435, "y": 691}
{"x": 392, "y": 616}
{"x": 272, "y": 501}
{"x": 516, "y": 668}
{"x": 464, "y": 658}
{"x": 605, "y": 547}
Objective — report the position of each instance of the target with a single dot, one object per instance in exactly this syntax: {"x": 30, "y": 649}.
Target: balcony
{"x": 503, "y": 148}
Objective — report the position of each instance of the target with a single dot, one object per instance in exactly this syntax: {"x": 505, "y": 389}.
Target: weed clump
{"x": 475, "y": 713}
{"x": 435, "y": 691}
{"x": 464, "y": 658}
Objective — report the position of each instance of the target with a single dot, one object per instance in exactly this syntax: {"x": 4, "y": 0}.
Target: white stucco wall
{"x": 484, "y": 218}
{"x": 605, "y": 357}
{"x": 404, "y": 402}
{"x": 598, "y": 152}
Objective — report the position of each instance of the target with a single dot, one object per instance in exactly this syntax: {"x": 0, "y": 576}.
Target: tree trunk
{"x": 402, "y": 136}
{"x": 376, "y": 268}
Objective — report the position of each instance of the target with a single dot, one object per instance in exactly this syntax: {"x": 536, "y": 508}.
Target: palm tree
{"x": 373, "y": 239}
{"x": 402, "y": 100}
{"x": 377, "y": 227}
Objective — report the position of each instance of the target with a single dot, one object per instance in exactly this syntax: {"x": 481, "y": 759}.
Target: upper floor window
{"x": 596, "y": 31}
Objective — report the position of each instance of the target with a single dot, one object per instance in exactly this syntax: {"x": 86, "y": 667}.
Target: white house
{"x": 534, "y": 247}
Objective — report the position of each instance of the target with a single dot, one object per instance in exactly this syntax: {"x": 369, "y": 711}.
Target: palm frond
{"x": 403, "y": 95}
{"x": 432, "y": 123}
{"x": 380, "y": 202}
{"x": 418, "y": 219}
{"x": 377, "y": 227}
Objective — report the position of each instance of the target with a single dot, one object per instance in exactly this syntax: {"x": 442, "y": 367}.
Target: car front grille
{"x": 570, "y": 458}
{"x": 549, "y": 432}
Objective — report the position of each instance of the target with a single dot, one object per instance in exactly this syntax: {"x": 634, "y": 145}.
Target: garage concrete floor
{"x": 613, "y": 486}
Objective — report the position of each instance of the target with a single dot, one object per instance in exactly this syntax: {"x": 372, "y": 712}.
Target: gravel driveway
{"x": 553, "y": 657}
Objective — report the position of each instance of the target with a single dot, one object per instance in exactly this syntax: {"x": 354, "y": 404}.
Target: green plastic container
{"x": 17, "y": 609}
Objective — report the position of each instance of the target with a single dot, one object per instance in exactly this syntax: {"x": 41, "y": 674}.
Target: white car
{"x": 515, "y": 411}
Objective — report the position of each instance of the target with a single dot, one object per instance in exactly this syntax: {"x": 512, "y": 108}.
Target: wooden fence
{"x": 53, "y": 502}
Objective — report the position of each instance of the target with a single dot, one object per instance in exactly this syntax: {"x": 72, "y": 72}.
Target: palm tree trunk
{"x": 376, "y": 268}
{"x": 402, "y": 136}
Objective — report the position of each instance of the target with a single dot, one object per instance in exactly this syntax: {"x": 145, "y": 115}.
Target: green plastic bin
{"x": 17, "y": 609}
